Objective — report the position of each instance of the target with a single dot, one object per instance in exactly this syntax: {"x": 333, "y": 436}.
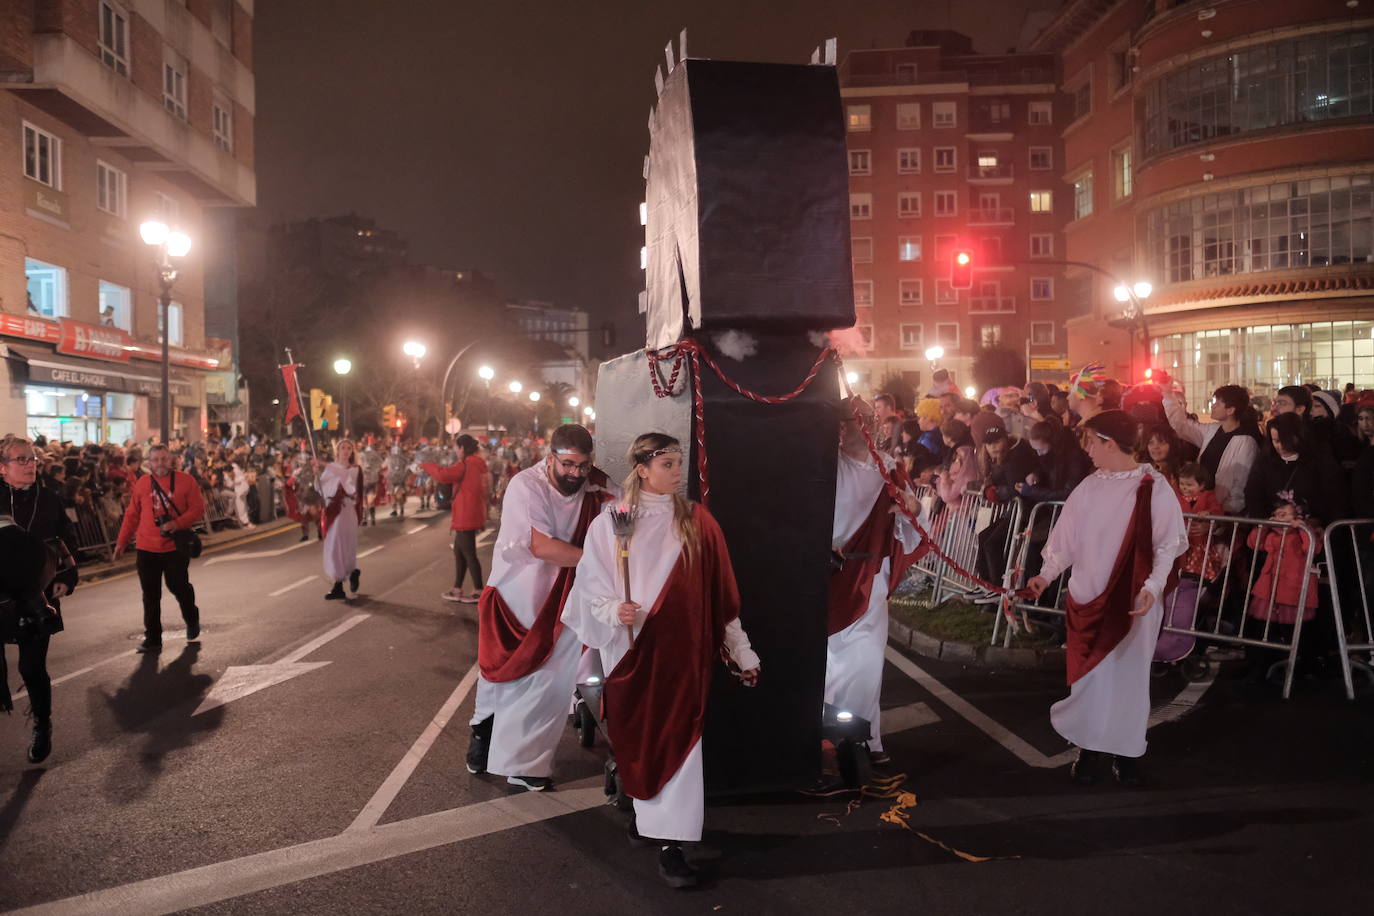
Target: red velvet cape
{"x": 654, "y": 702}
{"x": 506, "y": 650}
{"x": 1096, "y": 627}
{"x": 336, "y": 502}
{"x": 851, "y": 587}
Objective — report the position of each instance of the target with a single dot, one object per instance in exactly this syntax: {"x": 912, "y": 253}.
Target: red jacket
{"x": 145, "y": 506}
{"x": 470, "y": 496}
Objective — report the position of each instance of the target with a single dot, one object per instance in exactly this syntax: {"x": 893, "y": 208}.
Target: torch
{"x": 623, "y": 524}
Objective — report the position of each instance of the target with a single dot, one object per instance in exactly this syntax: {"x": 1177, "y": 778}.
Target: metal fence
{"x": 959, "y": 531}
{"x": 93, "y": 536}
{"x": 1347, "y": 542}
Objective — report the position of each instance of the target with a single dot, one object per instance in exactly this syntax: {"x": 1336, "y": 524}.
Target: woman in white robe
{"x": 341, "y": 485}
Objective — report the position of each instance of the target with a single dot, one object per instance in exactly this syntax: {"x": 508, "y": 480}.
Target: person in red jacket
{"x": 471, "y": 494}
{"x": 162, "y": 502}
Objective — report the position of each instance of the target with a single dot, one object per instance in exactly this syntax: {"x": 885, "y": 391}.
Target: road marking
{"x": 351, "y": 849}
{"x": 371, "y": 550}
{"x": 979, "y": 720}
{"x": 1182, "y": 704}
{"x": 381, "y": 800}
{"x": 485, "y": 537}
{"x": 417, "y": 529}
{"x": 239, "y": 681}
{"x": 907, "y": 717}
{"x": 297, "y": 584}
{"x": 86, "y": 670}
{"x": 258, "y": 554}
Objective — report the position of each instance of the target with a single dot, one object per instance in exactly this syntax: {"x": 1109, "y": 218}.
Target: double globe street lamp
{"x": 168, "y": 244}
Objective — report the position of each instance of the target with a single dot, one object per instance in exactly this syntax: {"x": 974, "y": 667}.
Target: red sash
{"x": 1096, "y": 627}
{"x": 336, "y": 502}
{"x": 506, "y": 650}
{"x": 851, "y": 588}
{"x": 655, "y": 700}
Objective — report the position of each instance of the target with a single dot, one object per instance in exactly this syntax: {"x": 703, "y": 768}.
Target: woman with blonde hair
{"x": 341, "y": 485}
{"x": 659, "y": 648}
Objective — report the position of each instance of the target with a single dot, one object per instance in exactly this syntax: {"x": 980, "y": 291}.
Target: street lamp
{"x": 486, "y": 374}
{"x": 342, "y": 367}
{"x": 573, "y": 401}
{"x": 970, "y": 391}
{"x": 167, "y": 243}
{"x": 852, "y": 378}
{"x": 534, "y": 396}
{"x": 415, "y": 350}
{"x": 935, "y": 352}
{"x": 516, "y": 387}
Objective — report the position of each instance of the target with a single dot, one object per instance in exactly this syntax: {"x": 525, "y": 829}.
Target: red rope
{"x": 690, "y": 348}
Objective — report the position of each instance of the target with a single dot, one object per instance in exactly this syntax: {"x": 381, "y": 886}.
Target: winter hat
{"x": 1331, "y": 400}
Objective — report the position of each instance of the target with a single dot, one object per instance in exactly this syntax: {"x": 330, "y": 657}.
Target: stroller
{"x": 1182, "y": 607}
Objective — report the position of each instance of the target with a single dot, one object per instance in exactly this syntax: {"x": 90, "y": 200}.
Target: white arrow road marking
{"x": 417, "y": 529}
{"x": 485, "y": 537}
{"x": 255, "y": 554}
{"x": 297, "y": 584}
{"x": 239, "y": 681}
{"x": 907, "y": 717}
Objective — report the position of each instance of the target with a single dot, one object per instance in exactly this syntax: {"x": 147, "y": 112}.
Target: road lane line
{"x": 1182, "y": 704}
{"x": 318, "y": 641}
{"x": 381, "y": 800}
{"x": 902, "y": 718}
{"x": 371, "y": 550}
{"x": 351, "y": 849}
{"x": 75, "y": 674}
{"x": 417, "y": 529}
{"x": 297, "y": 584}
{"x": 257, "y": 554}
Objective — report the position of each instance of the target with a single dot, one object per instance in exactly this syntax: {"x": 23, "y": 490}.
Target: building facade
{"x": 112, "y": 113}
{"x": 952, "y": 150}
{"x": 1224, "y": 152}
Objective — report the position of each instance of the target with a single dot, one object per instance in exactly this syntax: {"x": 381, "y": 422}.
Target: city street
{"x": 308, "y": 758}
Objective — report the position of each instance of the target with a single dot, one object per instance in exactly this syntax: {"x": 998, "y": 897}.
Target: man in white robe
{"x": 1120, "y": 531}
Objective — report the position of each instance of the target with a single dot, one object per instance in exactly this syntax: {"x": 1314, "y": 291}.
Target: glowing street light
{"x": 168, "y": 244}
{"x": 573, "y": 401}
{"x": 935, "y": 352}
{"x": 588, "y": 412}
{"x": 852, "y": 378}
{"x": 486, "y": 374}
{"x": 342, "y": 367}
{"x": 534, "y": 396}
{"x": 516, "y": 387}
{"x": 1141, "y": 289}
{"x": 970, "y": 391}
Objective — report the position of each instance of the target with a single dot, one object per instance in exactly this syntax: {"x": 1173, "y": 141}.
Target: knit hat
{"x": 1330, "y": 400}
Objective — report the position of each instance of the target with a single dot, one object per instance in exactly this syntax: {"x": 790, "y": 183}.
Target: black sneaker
{"x": 305, "y": 537}
{"x": 193, "y": 632}
{"x": 532, "y": 783}
{"x": 673, "y": 867}
{"x": 478, "y": 746}
{"x": 1127, "y": 772}
{"x": 1085, "y": 767}
{"x": 336, "y": 593}
{"x": 149, "y": 645}
{"x": 878, "y": 758}
{"x": 354, "y": 578}
{"x": 42, "y": 741}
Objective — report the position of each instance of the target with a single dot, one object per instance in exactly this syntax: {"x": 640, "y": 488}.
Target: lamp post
{"x": 486, "y": 374}
{"x": 416, "y": 351}
{"x": 341, "y": 368}
{"x": 167, "y": 243}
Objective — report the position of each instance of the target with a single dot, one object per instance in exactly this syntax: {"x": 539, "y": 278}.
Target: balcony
{"x": 982, "y": 125}
{"x": 992, "y": 305}
{"x": 991, "y": 216}
{"x": 991, "y": 174}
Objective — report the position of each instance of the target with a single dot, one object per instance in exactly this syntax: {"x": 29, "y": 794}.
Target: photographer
{"x": 43, "y": 532}
{"x": 163, "y": 504}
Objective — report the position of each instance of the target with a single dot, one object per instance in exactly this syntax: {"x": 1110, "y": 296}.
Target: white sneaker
{"x": 452, "y": 595}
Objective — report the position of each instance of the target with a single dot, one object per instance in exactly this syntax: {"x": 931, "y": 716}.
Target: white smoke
{"x": 737, "y": 345}
{"x": 849, "y": 341}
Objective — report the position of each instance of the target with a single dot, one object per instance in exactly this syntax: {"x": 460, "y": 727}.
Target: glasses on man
{"x": 22, "y": 459}
{"x": 569, "y": 468}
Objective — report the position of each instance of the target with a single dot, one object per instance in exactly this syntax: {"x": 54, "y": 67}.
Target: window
{"x": 990, "y": 250}
{"x": 945, "y": 159}
{"x": 908, "y": 116}
{"x": 860, "y": 206}
{"x": 1292, "y": 81}
{"x": 997, "y": 111}
{"x": 909, "y": 204}
{"x": 913, "y": 336}
{"x": 1040, "y": 113}
{"x": 1041, "y": 158}
{"x": 1042, "y": 333}
{"x": 944, "y": 114}
{"x": 946, "y": 203}
{"x": 1121, "y": 173}
{"x": 861, "y": 250}
{"x": 989, "y": 200}
{"x": 1041, "y": 202}
{"x": 111, "y": 189}
{"x": 113, "y": 37}
{"x": 47, "y": 288}
{"x": 990, "y": 335}
{"x": 906, "y": 74}
{"x": 174, "y": 338}
{"x": 860, "y": 162}
{"x": 116, "y": 306}
{"x": 1121, "y": 72}
{"x": 908, "y": 161}
{"x": 859, "y": 117}
{"x": 947, "y": 335}
{"x": 945, "y": 294}
{"x": 863, "y": 292}
{"x": 1042, "y": 287}
{"x": 223, "y": 126}
{"x": 987, "y": 161}
{"x": 909, "y": 292}
{"x": 1082, "y": 95}
{"x": 865, "y": 333}
{"x": 174, "y": 86}
{"x": 1041, "y": 245}
{"x": 909, "y": 248}
{"x": 42, "y": 156}
{"x": 944, "y": 246}
{"x": 1082, "y": 195}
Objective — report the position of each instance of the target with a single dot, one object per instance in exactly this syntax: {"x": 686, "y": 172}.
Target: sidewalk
{"x": 104, "y": 569}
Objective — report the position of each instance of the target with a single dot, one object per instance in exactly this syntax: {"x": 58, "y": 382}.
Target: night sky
{"x": 510, "y": 136}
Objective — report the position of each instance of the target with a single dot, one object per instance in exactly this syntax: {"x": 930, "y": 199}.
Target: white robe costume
{"x": 854, "y": 656}
{"x": 341, "y": 540}
{"x": 1108, "y": 708}
{"x": 531, "y": 712}
{"x": 677, "y": 812}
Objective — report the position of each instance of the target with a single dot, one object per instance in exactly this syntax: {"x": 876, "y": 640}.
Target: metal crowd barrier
{"x": 956, "y": 530}
{"x": 92, "y": 535}
{"x": 1229, "y": 622}
{"x": 1354, "y": 640}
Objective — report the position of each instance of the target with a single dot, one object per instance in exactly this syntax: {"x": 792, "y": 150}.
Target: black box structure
{"x": 748, "y": 254}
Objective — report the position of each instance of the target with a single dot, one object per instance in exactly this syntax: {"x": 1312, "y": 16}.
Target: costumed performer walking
{"x": 659, "y": 677}
{"x": 341, "y": 485}
{"x": 1121, "y": 531}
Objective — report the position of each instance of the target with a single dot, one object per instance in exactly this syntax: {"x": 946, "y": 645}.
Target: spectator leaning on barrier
{"x": 1229, "y": 446}
{"x": 1292, "y": 469}
{"x": 1362, "y": 478}
{"x": 929, "y": 416}
{"x": 1063, "y": 464}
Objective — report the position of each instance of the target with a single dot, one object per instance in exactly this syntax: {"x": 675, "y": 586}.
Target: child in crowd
{"x": 1276, "y": 592}
{"x": 1199, "y": 568}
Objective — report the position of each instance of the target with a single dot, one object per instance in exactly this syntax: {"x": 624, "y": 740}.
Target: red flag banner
{"x": 293, "y": 394}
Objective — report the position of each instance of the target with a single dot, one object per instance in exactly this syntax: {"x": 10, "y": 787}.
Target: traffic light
{"x": 389, "y": 416}
{"x": 331, "y": 415}
{"x": 961, "y": 269}
{"x": 317, "y": 402}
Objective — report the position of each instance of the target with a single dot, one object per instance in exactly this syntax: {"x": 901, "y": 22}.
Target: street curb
{"x": 105, "y": 570}
{"x": 906, "y": 638}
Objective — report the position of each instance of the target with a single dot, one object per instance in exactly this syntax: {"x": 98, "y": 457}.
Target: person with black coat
{"x": 39, "y": 513}
{"x": 1062, "y": 464}
{"x": 1006, "y": 462}
{"x": 1303, "y": 473}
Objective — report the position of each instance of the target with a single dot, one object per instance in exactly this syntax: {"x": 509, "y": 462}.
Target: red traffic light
{"x": 963, "y": 258}
{"x": 961, "y": 269}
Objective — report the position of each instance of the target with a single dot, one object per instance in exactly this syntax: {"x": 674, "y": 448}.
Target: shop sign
{"x": 30, "y": 328}
{"x": 103, "y": 381}
{"x": 1046, "y": 363}
{"x": 94, "y": 341}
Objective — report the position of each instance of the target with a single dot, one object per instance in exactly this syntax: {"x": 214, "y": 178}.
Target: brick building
{"x": 112, "y": 113}
{"x": 950, "y": 149}
{"x": 1223, "y": 151}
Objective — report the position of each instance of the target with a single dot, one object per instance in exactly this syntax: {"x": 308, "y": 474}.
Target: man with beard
{"x": 527, "y": 659}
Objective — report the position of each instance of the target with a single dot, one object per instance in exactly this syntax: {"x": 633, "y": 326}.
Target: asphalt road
{"x": 307, "y": 758}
